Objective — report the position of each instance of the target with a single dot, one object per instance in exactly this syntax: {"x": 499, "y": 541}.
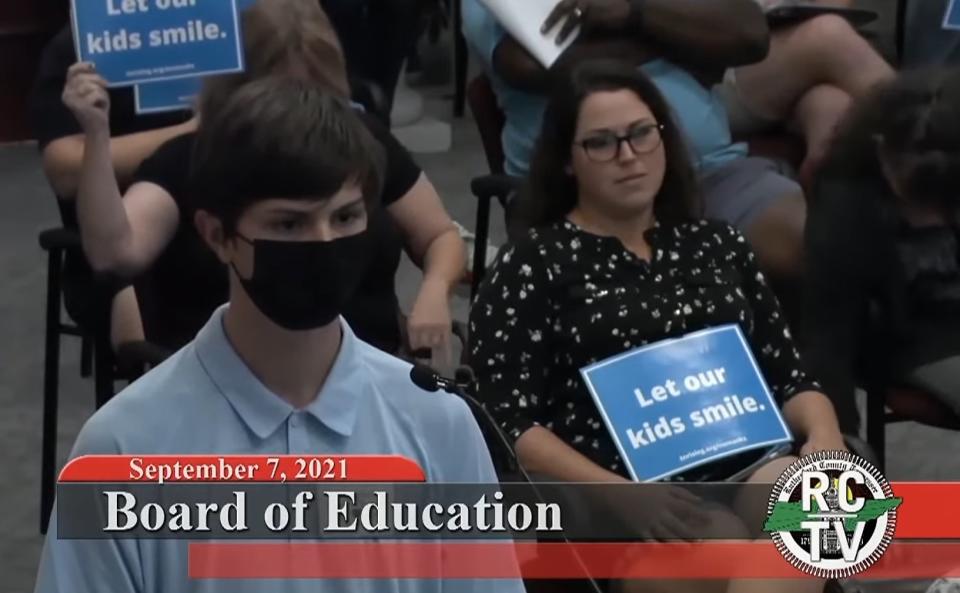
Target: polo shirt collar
{"x": 264, "y": 411}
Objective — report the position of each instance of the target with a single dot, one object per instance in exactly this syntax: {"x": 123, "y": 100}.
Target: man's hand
{"x": 661, "y": 512}
{"x": 590, "y": 15}
{"x": 85, "y": 94}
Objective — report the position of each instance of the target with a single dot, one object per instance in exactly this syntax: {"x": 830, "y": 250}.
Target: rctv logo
{"x": 832, "y": 514}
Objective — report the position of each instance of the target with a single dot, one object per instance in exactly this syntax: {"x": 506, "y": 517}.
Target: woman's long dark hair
{"x": 551, "y": 193}
{"x": 917, "y": 117}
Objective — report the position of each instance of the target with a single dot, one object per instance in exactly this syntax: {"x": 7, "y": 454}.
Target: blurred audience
{"x": 149, "y": 233}
{"x": 377, "y": 36}
{"x": 684, "y": 46}
{"x": 808, "y": 80}
{"x": 883, "y": 276}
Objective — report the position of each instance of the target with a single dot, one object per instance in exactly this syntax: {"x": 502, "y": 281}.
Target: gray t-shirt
{"x": 927, "y": 43}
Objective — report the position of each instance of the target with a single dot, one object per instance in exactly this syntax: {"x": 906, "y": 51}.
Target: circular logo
{"x": 832, "y": 514}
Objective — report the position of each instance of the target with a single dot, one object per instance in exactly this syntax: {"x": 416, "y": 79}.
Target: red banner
{"x": 431, "y": 560}
{"x": 242, "y": 468}
{"x": 929, "y": 510}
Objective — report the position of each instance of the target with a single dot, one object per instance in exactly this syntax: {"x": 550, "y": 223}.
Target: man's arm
{"x": 514, "y": 64}
{"x": 63, "y": 158}
{"x": 701, "y": 35}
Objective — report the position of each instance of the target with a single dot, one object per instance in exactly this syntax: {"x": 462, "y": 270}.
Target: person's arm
{"x": 118, "y": 236}
{"x": 704, "y": 35}
{"x": 434, "y": 244}
{"x": 518, "y": 68}
{"x": 63, "y": 158}
{"x": 807, "y": 411}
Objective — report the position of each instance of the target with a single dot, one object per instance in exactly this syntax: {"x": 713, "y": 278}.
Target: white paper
{"x": 523, "y": 19}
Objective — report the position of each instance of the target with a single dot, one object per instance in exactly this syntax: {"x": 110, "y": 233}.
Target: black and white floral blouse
{"x": 562, "y": 298}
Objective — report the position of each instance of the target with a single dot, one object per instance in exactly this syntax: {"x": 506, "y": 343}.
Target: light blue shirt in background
{"x": 699, "y": 111}
{"x": 205, "y": 400}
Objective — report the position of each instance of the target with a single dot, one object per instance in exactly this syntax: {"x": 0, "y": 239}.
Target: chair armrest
{"x": 494, "y": 186}
{"x": 59, "y": 238}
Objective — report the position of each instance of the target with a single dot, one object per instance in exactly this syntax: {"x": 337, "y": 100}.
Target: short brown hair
{"x": 281, "y": 137}
{"x": 284, "y": 38}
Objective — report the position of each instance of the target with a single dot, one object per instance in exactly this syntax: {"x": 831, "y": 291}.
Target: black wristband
{"x": 636, "y": 14}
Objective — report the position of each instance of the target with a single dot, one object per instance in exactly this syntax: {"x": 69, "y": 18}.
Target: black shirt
{"x": 882, "y": 298}
{"x": 563, "y": 298}
{"x": 185, "y": 285}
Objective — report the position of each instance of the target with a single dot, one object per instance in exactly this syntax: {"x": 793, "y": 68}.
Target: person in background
{"x": 684, "y": 46}
{"x": 377, "y": 37}
{"x": 618, "y": 257}
{"x": 814, "y": 70}
{"x": 148, "y": 232}
{"x": 883, "y": 272}
{"x": 61, "y": 140}
{"x": 249, "y": 383}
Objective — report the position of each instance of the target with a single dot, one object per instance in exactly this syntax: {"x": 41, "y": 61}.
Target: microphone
{"x": 427, "y": 379}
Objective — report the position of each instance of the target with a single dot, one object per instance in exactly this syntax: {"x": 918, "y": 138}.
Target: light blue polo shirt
{"x": 699, "y": 111}
{"x": 205, "y": 400}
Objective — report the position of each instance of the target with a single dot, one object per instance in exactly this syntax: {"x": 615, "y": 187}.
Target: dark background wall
{"x": 25, "y": 26}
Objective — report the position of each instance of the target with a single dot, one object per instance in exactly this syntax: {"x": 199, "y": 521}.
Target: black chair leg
{"x": 460, "y": 60}
{"x": 481, "y": 232}
{"x": 104, "y": 363}
{"x": 51, "y": 377}
{"x": 86, "y": 356}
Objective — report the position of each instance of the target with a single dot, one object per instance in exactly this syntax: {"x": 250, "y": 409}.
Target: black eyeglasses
{"x": 605, "y": 147}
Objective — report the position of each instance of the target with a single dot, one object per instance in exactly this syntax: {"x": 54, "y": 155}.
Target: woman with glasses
{"x": 617, "y": 258}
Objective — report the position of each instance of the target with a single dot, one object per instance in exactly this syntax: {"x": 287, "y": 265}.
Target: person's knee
{"x": 776, "y": 235}
{"x": 826, "y": 32}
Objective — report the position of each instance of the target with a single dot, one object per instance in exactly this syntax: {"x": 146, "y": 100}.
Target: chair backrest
{"x": 490, "y": 120}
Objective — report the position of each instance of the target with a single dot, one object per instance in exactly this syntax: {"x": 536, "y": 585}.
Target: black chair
{"x": 490, "y": 121}
{"x": 890, "y": 404}
{"x": 461, "y": 60}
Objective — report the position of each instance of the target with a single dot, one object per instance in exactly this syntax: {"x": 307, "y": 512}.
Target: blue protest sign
{"x": 168, "y": 95}
{"x": 951, "y": 20}
{"x": 680, "y": 403}
{"x": 136, "y": 41}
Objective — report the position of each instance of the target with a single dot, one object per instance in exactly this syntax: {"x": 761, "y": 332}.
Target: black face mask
{"x": 302, "y": 285}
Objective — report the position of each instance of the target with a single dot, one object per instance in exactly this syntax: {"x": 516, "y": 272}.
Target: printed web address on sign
{"x": 712, "y": 448}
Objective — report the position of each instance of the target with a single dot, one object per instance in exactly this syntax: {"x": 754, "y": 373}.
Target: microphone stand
{"x": 428, "y": 380}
